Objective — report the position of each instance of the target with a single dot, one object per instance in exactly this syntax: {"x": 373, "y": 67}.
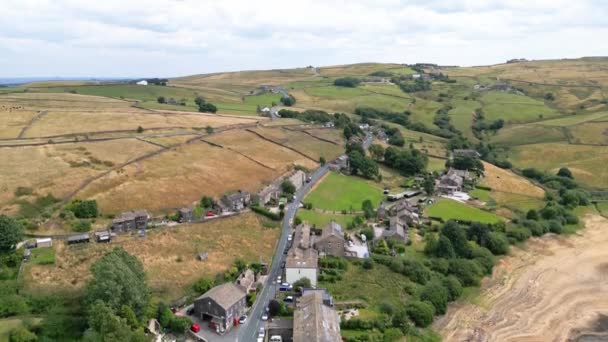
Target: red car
{"x": 195, "y": 327}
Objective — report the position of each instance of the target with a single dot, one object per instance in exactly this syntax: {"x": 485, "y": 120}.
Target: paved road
{"x": 249, "y": 331}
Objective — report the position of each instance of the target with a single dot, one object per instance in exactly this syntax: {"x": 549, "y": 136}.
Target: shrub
{"x": 468, "y": 272}
{"x": 350, "y": 82}
{"x": 81, "y": 226}
{"x": 421, "y": 313}
{"x": 453, "y": 286}
{"x": 435, "y": 293}
{"x": 21, "y": 334}
{"x": 554, "y": 226}
{"x": 83, "y": 208}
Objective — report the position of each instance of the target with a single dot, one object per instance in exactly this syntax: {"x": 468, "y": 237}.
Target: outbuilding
{"x": 44, "y": 242}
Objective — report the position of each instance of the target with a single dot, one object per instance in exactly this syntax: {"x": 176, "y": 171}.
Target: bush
{"x": 21, "y": 334}
{"x": 368, "y": 264}
{"x": 416, "y": 271}
{"x": 421, "y": 313}
{"x": 350, "y": 82}
{"x": 435, "y": 293}
{"x": 81, "y": 226}
{"x": 554, "y": 226}
{"x": 468, "y": 272}
{"x": 518, "y": 233}
{"x": 497, "y": 243}
{"x": 83, "y": 208}
{"x": 453, "y": 286}
{"x": 266, "y": 212}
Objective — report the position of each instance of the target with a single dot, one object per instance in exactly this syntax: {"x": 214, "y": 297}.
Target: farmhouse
{"x": 406, "y": 212}
{"x": 185, "y": 215}
{"x": 273, "y": 191}
{"x": 450, "y": 182}
{"x": 131, "y": 220}
{"x": 331, "y": 241}
{"x": 302, "y": 259}
{"x": 313, "y": 321}
{"x": 236, "y": 201}
{"x": 44, "y": 242}
{"x": 222, "y": 305}
{"x": 142, "y": 82}
{"x": 297, "y": 178}
{"x": 339, "y": 164}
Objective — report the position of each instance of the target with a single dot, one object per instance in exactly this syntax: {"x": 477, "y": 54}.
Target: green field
{"x": 321, "y": 219}
{"x": 602, "y": 207}
{"x": 481, "y": 194}
{"x": 528, "y": 134}
{"x": 514, "y": 108}
{"x": 339, "y": 192}
{"x": 266, "y": 99}
{"x": 448, "y": 209}
{"x": 462, "y": 115}
{"x": 43, "y": 256}
{"x": 402, "y": 71}
{"x": 334, "y": 92}
{"x": 386, "y": 89}
{"x": 575, "y": 119}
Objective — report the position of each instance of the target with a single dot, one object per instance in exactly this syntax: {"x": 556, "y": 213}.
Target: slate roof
{"x": 225, "y": 295}
{"x": 315, "y": 322}
{"x": 331, "y": 229}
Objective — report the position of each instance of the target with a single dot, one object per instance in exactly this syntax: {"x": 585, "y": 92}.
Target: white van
{"x": 276, "y": 338}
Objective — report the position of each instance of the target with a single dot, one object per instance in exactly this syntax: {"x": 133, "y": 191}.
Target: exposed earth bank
{"x": 554, "y": 288}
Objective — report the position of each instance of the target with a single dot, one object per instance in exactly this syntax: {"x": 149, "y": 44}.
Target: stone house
{"x": 185, "y": 215}
{"x": 246, "y": 281}
{"x": 313, "y": 321}
{"x": 331, "y": 241}
{"x": 222, "y": 305}
{"x": 302, "y": 260}
{"x": 130, "y": 221}
{"x": 236, "y": 201}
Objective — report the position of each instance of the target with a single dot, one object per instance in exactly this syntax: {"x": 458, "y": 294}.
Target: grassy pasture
{"x": 589, "y": 133}
{"x": 339, "y": 192}
{"x": 321, "y": 219}
{"x": 514, "y": 108}
{"x": 302, "y": 142}
{"x": 168, "y": 257}
{"x": 361, "y": 69}
{"x": 333, "y": 92}
{"x": 386, "y": 89}
{"x": 528, "y": 134}
{"x": 13, "y": 121}
{"x": 575, "y": 119}
{"x": 587, "y": 163}
{"x": 506, "y": 181}
{"x": 266, "y": 99}
{"x": 517, "y": 201}
{"x": 402, "y": 71}
{"x": 448, "y": 209}
{"x": 462, "y": 115}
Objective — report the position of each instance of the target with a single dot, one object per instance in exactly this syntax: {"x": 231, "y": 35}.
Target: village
{"x": 290, "y": 283}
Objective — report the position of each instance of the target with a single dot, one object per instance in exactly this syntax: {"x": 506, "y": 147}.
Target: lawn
{"x": 462, "y": 115}
{"x": 481, "y": 194}
{"x": 528, "y": 134}
{"x": 266, "y": 99}
{"x": 321, "y": 219}
{"x": 448, "y": 209}
{"x": 339, "y": 192}
{"x": 43, "y": 256}
{"x": 402, "y": 71}
{"x": 336, "y": 92}
{"x": 514, "y": 108}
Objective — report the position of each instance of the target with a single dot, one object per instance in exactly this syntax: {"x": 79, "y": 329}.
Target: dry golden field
{"x": 506, "y": 181}
{"x": 302, "y": 142}
{"x": 168, "y": 254}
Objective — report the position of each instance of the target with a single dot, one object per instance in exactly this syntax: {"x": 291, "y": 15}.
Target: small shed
{"x": 103, "y": 236}
{"x": 44, "y": 242}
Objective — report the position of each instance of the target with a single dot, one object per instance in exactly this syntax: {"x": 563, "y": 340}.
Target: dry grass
{"x": 302, "y": 142}
{"x": 242, "y": 236}
{"x": 506, "y": 181}
{"x": 176, "y": 178}
{"x": 328, "y": 134}
{"x": 60, "y": 169}
{"x": 170, "y": 140}
{"x": 13, "y": 121}
{"x": 265, "y": 152}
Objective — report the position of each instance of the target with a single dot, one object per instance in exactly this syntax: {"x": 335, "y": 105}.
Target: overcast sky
{"x": 133, "y": 38}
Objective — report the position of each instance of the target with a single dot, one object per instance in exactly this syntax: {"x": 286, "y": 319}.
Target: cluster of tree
{"x": 83, "y": 208}
{"x": 351, "y": 129}
{"x": 350, "y": 82}
{"x": 561, "y": 181}
{"x": 368, "y": 209}
{"x": 480, "y": 125}
{"x": 171, "y": 101}
{"x": 288, "y": 100}
{"x": 407, "y": 162}
{"x": 443, "y": 120}
{"x": 549, "y": 97}
{"x": 288, "y": 188}
{"x": 11, "y": 232}
{"x": 360, "y": 164}
{"x": 204, "y": 106}
{"x": 408, "y": 85}
{"x": 341, "y": 120}
{"x": 309, "y": 115}
{"x": 381, "y": 73}
{"x": 157, "y": 81}
{"x": 394, "y": 136}
{"x": 465, "y": 163}
{"x": 368, "y": 113}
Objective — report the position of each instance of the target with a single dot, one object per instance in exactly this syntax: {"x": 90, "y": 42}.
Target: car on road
{"x": 309, "y": 179}
{"x": 264, "y": 316}
{"x": 190, "y": 311}
{"x": 243, "y": 319}
{"x": 283, "y": 264}
{"x": 279, "y": 278}
{"x": 195, "y": 328}
{"x": 262, "y": 332}
{"x": 290, "y": 237}
{"x": 285, "y": 287}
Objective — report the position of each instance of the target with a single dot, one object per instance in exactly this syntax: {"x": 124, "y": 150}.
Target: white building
{"x": 142, "y": 82}
{"x": 302, "y": 259}
{"x": 44, "y": 242}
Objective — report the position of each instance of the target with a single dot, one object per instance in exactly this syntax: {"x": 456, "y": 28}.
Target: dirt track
{"x": 555, "y": 289}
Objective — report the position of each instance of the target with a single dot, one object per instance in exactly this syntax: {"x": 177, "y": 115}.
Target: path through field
{"x": 555, "y": 289}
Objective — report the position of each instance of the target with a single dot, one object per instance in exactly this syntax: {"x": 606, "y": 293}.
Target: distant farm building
{"x": 222, "y": 306}
{"x": 79, "y": 238}
{"x": 142, "y": 82}
{"x": 130, "y": 221}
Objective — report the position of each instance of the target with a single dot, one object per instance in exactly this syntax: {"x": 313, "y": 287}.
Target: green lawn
{"x": 236, "y": 108}
{"x": 387, "y": 89}
{"x": 321, "y": 219}
{"x": 402, "y": 71}
{"x": 334, "y": 92}
{"x": 528, "y": 134}
{"x": 263, "y": 100}
{"x": 339, "y": 192}
{"x": 575, "y": 119}
{"x": 436, "y": 164}
{"x": 462, "y": 115}
{"x": 449, "y": 209}
{"x": 43, "y": 256}
{"x": 514, "y": 108}
{"x": 481, "y": 194}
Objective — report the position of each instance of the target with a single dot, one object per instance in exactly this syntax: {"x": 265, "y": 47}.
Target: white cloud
{"x": 176, "y": 37}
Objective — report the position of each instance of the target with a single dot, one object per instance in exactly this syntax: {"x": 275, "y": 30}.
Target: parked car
{"x": 276, "y": 338}
{"x": 290, "y": 237}
{"x": 262, "y": 332}
{"x": 243, "y": 319}
{"x": 195, "y": 327}
{"x": 282, "y": 264}
{"x": 190, "y": 311}
{"x": 288, "y": 299}
{"x": 264, "y": 316}
{"x": 279, "y": 279}
{"x": 285, "y": 287}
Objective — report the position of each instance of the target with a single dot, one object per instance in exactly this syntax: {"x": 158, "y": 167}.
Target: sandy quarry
{"x": 555, "y": 289}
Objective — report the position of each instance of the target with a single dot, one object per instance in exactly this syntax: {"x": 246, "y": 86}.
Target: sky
{"x": 167, "y": 38}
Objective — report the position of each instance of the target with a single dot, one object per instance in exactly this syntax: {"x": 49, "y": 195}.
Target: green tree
{"x": 119, "y": 279}
{"x": 497, "y": 243}
{"x": 287, "y": 187}
{"x": 381, "y": 247}
{"x": 21, "y": 334}
{"x": 376, "y": 151}
{"x": 83, "y": 208}
{"x": 130, "y": 318}
{"x": 199, "y": 101}
{"x": 565, "y": 172}
{"x": 11, "y": 232}
{"x": 206, "y": 202}
{"x": 207, "y": 108}
{"x": 107, "y": 326}
{"x": 368, "y": 209}
{"x": 454, "y": 287}
{"x": 302, "y": 283}
{"x": 288, "y": 100}
{"x": 435, "y": 293}
{"x": 444, "y": 248}
{"x": 429, "y": 185}
{"x": 368, "y": 264}
{"x": 457, "y": 237}
{"x": 140, "y": 129}
{"x": 532, "y": 215}
{"x": 350, "y": 82}
{"x": 179, "y": 324}
{"x": 161, "y": 99}
{"x": 468, "y": 272}
{"x": 322, "y": 160}
{"x": 421, "y": 313}
{"x": 209, "y": 129}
